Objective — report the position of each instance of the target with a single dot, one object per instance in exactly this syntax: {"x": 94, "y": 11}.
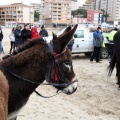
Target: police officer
{"x": 111, "y": 41}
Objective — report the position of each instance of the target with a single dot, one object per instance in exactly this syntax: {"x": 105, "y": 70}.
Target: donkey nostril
{"x": 75, "y": 89}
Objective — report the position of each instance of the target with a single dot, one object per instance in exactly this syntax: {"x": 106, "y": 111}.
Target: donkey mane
{"x": 28, "y": 44}
{"x": 36, "y": 49}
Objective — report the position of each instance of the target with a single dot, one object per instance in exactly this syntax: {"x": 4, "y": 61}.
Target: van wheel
{"x": 104, "y": 53}
{"x": 88, "y": 54}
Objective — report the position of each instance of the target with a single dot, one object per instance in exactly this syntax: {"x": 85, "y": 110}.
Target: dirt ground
{"x": 97, "y": 96}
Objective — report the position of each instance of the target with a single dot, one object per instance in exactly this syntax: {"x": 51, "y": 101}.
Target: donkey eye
{"x": 67, "y": 62}
{"x": 67, "y": 65}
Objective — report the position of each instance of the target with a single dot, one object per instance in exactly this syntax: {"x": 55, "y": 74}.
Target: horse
{"x": 115, "y": 61}
{"x": 32, "y": 63}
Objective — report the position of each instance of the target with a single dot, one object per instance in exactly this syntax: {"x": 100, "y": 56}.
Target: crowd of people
{"x": 18, "y": 36}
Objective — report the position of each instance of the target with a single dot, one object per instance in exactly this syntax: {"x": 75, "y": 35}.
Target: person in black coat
{"x": 43, "y": 32}
{"x": 18, "y": 37}
{"x": 26, "y": 33}
{"x": 70, "y": 45}
{"x": 1, "y": 37}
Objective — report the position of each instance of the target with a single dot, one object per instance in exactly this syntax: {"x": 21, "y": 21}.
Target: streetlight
{"x": 57, "y": 13}
{"x": 5, "y": 19}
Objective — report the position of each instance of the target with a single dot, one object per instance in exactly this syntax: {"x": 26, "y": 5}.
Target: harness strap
{"x": 27, "y": 80}
{"x": 46, "y": 96}
{"x": 50, "y": 45}
{"x": 56, "y": 69}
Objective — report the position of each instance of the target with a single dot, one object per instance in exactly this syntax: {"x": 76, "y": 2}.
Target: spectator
{"x": 43, "y": 32}
{"x": 26, "y": 33}
{"x": 71, "y": 43}
{"x": 18, "y": 38}
{"x": 12, "y": 40}
{"x": 1, "y": 38}
{"x": 97, "y": 41}
{"x": 111, "y": 41}
{"x": 35, "y": 33}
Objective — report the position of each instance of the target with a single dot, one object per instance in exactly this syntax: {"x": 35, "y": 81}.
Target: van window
{"x": 79, "y": 34}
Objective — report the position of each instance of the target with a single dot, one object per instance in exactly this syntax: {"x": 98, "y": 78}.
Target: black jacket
{"x": 26, "y": 34}
{"x": 1, "y": 36}
{"x": 44, "y": 33}
{"x": 18, "y": 38}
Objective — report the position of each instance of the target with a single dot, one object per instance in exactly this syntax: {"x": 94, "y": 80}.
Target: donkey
{"x": 116, "y": 58}
{"x": 34, "y": 62}
{"x": 3, "y": 97}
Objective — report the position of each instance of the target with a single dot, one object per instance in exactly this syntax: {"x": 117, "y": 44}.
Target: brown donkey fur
{"x": 3, "y": 97}
{"x": 34, "y": 61}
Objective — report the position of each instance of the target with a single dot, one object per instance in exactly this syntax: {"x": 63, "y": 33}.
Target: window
{"x": 79, "y": 34}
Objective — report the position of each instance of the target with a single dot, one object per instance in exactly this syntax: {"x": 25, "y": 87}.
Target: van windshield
{"x": 79, "y": 34}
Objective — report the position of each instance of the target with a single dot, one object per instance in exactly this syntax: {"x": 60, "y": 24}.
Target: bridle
{"x": 56, "y": 74}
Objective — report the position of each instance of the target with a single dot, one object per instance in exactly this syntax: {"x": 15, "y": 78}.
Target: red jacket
{"x": 35, "y": 33}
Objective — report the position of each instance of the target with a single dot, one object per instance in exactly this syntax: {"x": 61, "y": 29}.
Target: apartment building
{"x": 89, "y": 4}
{"x": 36, "y": 7}
{"x": 18, "y": 13}
{"x": 56, "y": 12}
{"x": 112, "y": 7}
{"x": 94, "y": 16}
{"x": 75, "y": 5}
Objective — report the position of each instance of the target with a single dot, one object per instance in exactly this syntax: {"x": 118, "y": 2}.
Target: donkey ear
{"x": 54, "y": 36}
{"x": 65, "y": 31}
{"x": 65, "y": 39}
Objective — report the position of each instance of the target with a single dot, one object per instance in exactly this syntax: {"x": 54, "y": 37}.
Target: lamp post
{"x": 57, "y": 13}
{"x": 5, "y": 19}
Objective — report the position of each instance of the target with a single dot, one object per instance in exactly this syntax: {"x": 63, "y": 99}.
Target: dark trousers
{"x": 12, "y": 46}
{"x": 111, "y": 49}
{"x": 96, "y": 54}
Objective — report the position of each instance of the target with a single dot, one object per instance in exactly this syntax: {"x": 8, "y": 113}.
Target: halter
{"x": 57, "y": 77}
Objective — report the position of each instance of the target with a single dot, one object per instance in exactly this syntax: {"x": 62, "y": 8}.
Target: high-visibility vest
{"x": 103, "y": 44}
{"x": 111, "y": 35}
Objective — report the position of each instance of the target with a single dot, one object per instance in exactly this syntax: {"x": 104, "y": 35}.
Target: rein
{"x": 27, "y": 80}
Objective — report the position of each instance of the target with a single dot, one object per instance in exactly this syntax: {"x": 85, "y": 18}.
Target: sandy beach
{"x": 97, "y": 96}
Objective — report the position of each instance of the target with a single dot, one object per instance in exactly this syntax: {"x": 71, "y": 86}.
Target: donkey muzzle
{"x": 71, "y": 88}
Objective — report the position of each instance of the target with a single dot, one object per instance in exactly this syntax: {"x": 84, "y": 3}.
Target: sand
{"x": 97, "y": 96}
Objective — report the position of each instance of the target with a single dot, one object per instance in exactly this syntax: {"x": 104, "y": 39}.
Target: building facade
{"x": 56, "y": 12}
{"x": 75, "y": 5}
{"x": 94, "y": 16}
{"x": 37, "y": 8}
{"x": 89, "y": 4}
{"x": 18, "y": 13}
{"x": 111, "y": 7}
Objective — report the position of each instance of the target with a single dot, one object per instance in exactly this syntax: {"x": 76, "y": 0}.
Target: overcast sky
{"x": 6, "y": 2}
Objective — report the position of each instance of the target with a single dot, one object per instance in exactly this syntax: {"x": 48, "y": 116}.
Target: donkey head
{"x": 62, "y": 72}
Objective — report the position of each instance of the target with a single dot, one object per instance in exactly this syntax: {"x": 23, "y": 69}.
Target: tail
{"x": 112, "y": 65}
